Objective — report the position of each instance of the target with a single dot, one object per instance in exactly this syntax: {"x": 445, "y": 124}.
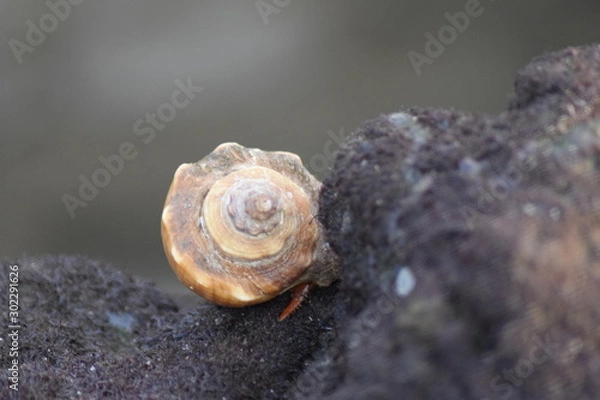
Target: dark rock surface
{"x": 470, "y": 248}
{"x": 496, "y": 220}
{"x": 90, "y": 331}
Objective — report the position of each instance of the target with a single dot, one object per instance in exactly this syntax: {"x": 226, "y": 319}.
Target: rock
{"x": 91, "y": 331}
{"x": 496, "y": 220}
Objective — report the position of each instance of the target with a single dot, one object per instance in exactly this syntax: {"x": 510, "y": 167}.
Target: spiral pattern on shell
{"x": 239, "y": 226}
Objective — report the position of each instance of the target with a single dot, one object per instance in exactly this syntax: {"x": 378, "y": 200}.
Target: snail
{"x": 239, "y": 227}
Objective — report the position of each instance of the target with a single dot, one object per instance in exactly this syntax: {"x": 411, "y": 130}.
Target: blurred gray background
{"x": 278, "y": 81}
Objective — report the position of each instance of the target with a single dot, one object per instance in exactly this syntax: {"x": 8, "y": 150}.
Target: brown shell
{"x": 239, "y": 226}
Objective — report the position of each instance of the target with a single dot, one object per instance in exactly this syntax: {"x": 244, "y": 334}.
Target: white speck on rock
{"x": 555, "y": 213}
{"x": 405, "y": 282}
{"x": 529, "y": 209}
{"x": 400, "y": 119}
{"x": 346, "y": 221}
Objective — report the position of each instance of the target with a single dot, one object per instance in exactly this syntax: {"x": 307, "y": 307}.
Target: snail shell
{"x": 239, "y": 227}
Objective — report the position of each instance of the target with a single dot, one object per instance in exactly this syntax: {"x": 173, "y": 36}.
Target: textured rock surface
{"x": 496, "y": 220}
{"x": 90, "y": 331}
{"x": 470, "y": 248}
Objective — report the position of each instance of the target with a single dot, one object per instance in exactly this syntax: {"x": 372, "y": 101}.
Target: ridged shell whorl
{"x": 239, "y": 226}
